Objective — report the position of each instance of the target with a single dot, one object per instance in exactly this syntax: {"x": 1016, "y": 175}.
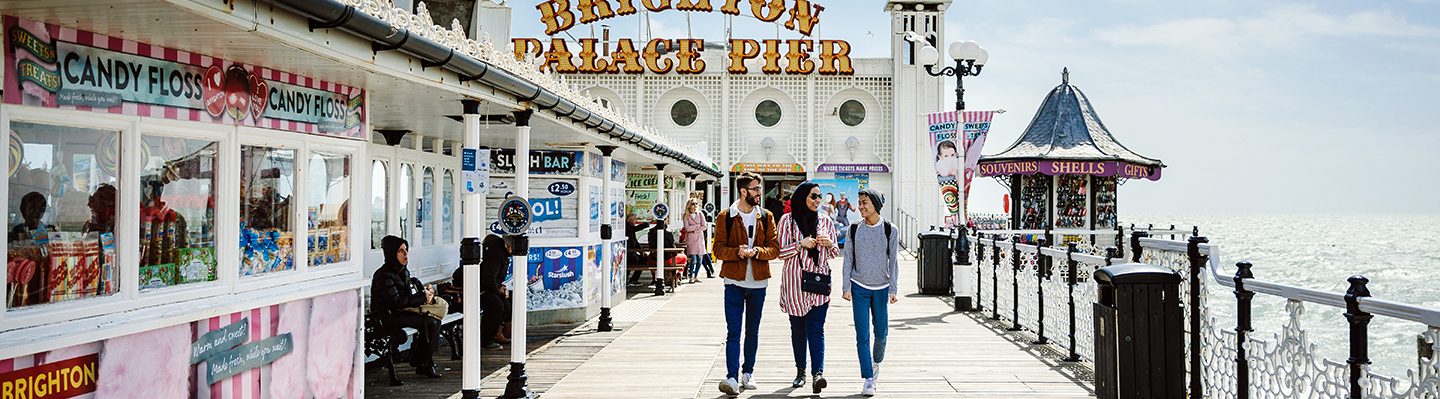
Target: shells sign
{"x": 57, "y": 67}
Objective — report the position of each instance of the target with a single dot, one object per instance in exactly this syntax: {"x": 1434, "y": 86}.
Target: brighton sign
{"x": 597, "y": 56}
{"x": 1057, "y": 168}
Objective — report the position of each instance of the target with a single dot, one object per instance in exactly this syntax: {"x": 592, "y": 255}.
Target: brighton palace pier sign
{"x": 626, "y": 56}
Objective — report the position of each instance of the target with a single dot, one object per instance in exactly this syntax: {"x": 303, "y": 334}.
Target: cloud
{"x": 1276, "y": 28}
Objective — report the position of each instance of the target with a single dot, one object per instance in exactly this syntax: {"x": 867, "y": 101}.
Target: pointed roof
{"x": 1066, "y": 128}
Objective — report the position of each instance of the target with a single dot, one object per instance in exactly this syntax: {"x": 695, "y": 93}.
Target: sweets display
{"x": 80, "y": 266}
{"x": 265, "y": 251}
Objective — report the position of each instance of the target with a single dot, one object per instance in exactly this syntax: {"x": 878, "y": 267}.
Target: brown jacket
{"x": 728, "y": 242}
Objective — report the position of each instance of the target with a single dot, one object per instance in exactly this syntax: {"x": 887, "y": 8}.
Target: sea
{"x": 1399, "y": 254}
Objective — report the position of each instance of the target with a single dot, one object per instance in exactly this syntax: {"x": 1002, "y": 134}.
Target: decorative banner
{"x": 1057, "y": 168}
{"x": 247, "y": 357}
{"x": 220, "y": 340}
{"x": 59, "y": 67}
{"x": 542, "y": 162}
{"x": 977, "y": 126}
{"x": 617, "y": 266}
{"x": 63, "y": 379}
{"x": 767, "y": 167}
{"x": 946, "y": 149}
{"x": 853, "y": 168}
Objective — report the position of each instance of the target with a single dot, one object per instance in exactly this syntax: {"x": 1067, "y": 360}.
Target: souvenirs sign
{"x": 57, "y": 67}
{"x": 599, "y": 57}
{"x": 515, "y": 215}
{"x": 1057, "y": 168}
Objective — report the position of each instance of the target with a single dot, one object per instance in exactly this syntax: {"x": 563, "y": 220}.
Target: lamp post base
{"x": 470, "y": 394}
{"x": 605, "y": 322}
{"x": 659, "y": 287}
{"x": 517, "y": 387}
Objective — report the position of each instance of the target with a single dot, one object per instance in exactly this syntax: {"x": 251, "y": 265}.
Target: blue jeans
{"x": 692, "y": 265}
{"x": 740, "y": 302}
{"x": 811, "y": 328}
{"x": 870, "y": 305}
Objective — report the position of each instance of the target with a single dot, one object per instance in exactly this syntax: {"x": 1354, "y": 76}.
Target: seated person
{"x": 32, "y": 208}
{"x": 634, "y": 226}
{"x": 392, "y": 291}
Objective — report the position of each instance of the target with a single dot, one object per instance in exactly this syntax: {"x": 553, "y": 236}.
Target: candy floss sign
{"x": 58, "y": 67}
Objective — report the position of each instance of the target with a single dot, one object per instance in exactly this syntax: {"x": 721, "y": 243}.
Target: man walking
{"x": 870, "y": 273}
{"x": 745, "y": 241}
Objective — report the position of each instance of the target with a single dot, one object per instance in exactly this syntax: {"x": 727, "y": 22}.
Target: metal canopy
{"x": 1066, "y": 128}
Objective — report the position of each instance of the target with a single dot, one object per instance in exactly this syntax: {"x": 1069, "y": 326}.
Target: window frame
{"x": 225, "y": 177}
{"x": 780, "y": 111}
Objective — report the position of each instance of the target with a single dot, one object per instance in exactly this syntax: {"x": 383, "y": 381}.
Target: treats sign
{"x": 598, "y": 57}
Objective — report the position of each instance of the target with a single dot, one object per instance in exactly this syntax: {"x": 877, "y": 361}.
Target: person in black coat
{"x": 494, "y": 265}
{"x": 392, "y": 291}
{"x": 634, "y": 226}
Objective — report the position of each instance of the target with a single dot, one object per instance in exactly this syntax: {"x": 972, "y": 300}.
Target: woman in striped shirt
{"x": 806, "y": 245}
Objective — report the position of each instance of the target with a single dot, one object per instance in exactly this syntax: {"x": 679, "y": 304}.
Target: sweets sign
{"x": 598, "y": 57}
{"x": 59, "y": 67}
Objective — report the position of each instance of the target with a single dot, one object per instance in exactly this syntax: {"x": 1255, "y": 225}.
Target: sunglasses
{"x": 814, "y": 196}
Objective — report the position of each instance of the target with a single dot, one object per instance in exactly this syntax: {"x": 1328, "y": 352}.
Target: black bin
{"x": 1139, "y": 338}
{"x": 934, "y": 271}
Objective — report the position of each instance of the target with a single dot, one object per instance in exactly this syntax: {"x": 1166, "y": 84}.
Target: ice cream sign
{"x": 64, "y": 68}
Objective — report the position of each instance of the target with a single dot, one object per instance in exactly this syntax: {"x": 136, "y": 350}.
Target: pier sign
{"x": 62, "y": 379}
{"x": 1057, "y": 168}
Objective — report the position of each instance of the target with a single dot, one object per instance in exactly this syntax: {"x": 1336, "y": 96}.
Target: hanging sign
{"x": 853, "y": 168}
{"x": 515, "y": 215}
{"x": 1058, "y": 168}
{"x": 661, "y": 211}
{"x": 600, "y": 57}
{"x": 57, "y": 67}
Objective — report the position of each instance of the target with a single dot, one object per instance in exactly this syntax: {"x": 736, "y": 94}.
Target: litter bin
{"x": 1139, "y": 339}
{"x": 934, "y": 263}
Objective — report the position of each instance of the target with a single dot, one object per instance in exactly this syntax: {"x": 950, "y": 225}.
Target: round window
{"x": 767, "y": 113}
{"x": 852, "y": 113}
{"x": 683, "y": 112}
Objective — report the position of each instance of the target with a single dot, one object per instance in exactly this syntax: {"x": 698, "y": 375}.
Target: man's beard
{"x": 752, "y": 200}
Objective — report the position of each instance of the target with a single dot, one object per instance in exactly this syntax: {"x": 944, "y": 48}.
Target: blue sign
{"x": 515, "y": 216}
{"x": 561, "y": 189}
{"x": 546, "y": 209}
{"x": 467, "y": 159}
{"x": 661, "y": 211}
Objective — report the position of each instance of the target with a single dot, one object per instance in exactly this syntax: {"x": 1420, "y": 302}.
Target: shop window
{"x": 328, "y": 187}
{"x": 852, "y": 113}
{"x": 447, "y": 208}
{"x": 177, "y": 212}
{"x": 63, "y": 193}
{"x": 406, "y": 202}
{"x": 267, "y": 191}
{"x": 684, "y": 113}
{"x": 379, "y": 187}
{"x": 767, "y": 113}
{"x": 427, "y": 193}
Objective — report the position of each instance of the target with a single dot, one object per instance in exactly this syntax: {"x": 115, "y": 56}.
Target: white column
{"x": 473, "y": 208}
{"x": 659, "y": 237}
{"x": 516, "y": 386}
{"x": 606, "y": 236}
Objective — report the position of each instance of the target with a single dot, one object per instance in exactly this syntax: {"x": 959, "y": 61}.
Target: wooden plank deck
{"x": 673, "y": 347}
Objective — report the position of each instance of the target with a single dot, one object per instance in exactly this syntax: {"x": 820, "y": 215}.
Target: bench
{"x": 384, "y": 347}
{"x": 672, "y": 273}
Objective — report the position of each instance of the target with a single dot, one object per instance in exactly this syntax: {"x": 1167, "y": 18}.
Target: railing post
{"x": 1015, "y": 282}
{"x": 1135, "y": 248}
{"x": 1359, "y": 333}
{"x": 1042, "y": 271}
{"x": 1197, "y": 261}
{"x": 995, "y": 278}
{"x": 1111, "y": 253}
{"x": 1120, "y": 240}
{"x": 1242, "y": 329}
{"x": 1070, "y": 279}
{"x": 979, "y": 272}
{"x": 1172, "y": 232}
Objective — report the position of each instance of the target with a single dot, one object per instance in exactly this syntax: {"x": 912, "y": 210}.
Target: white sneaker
{"x": 747, "y": 381}
{"x": 730, "y": 387}
{"x": 869, "y": 389}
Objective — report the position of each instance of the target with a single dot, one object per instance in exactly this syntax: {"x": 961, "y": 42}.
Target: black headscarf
{"x": 806, "y": 219}
{"x": 494, "y": 250}
{"x": 389, "y": 246}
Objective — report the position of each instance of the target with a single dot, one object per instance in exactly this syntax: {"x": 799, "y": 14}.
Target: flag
{"x": 947, "y": 151}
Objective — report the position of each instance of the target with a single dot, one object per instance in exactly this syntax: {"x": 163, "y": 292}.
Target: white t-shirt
{"x": 749, "y": 220}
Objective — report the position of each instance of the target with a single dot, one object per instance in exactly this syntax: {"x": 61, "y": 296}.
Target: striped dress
{"x": 793, "y": 300}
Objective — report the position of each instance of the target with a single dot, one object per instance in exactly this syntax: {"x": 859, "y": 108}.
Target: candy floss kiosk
{"x": 133, "y": 171}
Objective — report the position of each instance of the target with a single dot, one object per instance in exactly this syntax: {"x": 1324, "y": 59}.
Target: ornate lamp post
{"x": 969, "y": 59}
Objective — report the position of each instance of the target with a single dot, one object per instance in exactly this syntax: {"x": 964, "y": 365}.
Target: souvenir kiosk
{"x": 1064, "y": 171}
{"x": 192, "y": 204}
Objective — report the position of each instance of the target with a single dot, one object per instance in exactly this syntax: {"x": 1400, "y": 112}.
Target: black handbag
{"x": 815, "y": 283}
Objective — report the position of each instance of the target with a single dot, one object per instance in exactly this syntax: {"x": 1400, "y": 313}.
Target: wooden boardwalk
{"x": 673, "y": 347}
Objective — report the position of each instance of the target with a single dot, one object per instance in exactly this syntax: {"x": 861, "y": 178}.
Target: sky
{"x": 1255, "y": 107}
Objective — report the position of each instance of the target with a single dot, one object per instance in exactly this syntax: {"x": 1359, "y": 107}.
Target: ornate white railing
{"x": 1282, "y": 364}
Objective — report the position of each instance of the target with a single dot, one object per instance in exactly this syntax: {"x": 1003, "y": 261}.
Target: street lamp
{"x": 969, "y": 58}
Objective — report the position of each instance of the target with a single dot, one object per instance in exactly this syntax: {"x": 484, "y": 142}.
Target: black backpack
{"x": 851, "y": 241}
